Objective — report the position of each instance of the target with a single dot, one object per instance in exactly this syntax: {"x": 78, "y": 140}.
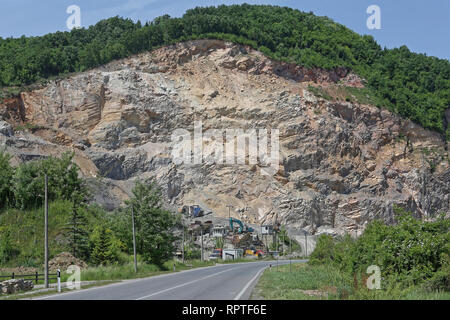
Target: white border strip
{"x": 185, "y": 284}
{"x": 240, "y": 294}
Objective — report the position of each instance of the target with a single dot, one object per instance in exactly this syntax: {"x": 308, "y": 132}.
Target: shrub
{"x": 408, "y": 253}
{"x": 7, "y": 249}
{"x": 154, "y": 225}
{"x": 63, "y": 181}
{"x": 105, "y": 248}
{"x": 6, "y": 175}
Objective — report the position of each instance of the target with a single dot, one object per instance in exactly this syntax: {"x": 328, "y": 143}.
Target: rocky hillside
{"x": 342, "y": 163}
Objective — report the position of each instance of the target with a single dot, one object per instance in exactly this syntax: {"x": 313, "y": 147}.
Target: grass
{"x": 295, "y": 285}
{"x": 307, "y": 282}
{"x": 345, "y": 93}
{"x": 26, "y": 233}
{"x": 126, "y": 271}
{"x": 320, "y": 92}
{"x": 28, "y": 126}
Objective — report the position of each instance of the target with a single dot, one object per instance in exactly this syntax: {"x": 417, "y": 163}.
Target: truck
{"x": 255, "y": 253}
{"x": 194, "y": 211}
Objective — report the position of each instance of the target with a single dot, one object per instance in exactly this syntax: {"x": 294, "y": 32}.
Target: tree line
{"x": 413, "y": 85}
{"x": 81, "y": 227}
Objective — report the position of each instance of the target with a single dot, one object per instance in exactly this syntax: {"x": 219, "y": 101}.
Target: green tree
{"x": 78, "y": 234}
{"x": 120, "y": 224}
{"x": 104, "y": 246}
{"x": 79, "y": 195}
{"x": 6, "y": 175}
{"x": 408, "y": 253}
{"x": 154, "y": 225}
{"x": 63, "y": 181}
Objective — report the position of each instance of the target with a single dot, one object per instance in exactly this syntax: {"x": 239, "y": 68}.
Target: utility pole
{"x": 276, "y": 242}
{"x": 182, "y": 244}
{"x": 306, "y": 244}
{"x": 201, "y": 233}
{"x": 46, "y": 232}
{"x": 134, "y": 239}
{"x": 229, "y": 206}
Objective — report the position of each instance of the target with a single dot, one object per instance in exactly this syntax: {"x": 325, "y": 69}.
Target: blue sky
{"x": 421, "y": 25}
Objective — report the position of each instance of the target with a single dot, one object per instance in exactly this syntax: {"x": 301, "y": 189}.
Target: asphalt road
{"x": 222, "y": 282}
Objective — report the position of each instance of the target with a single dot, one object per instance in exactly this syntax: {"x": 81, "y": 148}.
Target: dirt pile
{"x": 63, "y": 260}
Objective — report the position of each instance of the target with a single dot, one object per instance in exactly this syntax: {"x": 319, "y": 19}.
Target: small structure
{"x": 267, "y": 229}
{"x": 218, "y": 231}
{"x": 232, "y": 254}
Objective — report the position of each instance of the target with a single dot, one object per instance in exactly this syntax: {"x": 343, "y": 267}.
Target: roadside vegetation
{"x": 125, "y": 271}
{"x": 413, "y": 256}
{"x": 413, "y": 85}
{"x": 102, "y": 239}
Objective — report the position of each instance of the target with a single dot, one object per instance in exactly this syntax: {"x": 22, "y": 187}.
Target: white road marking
{"x": 249, "y": 283}
{"x": 185, "y": 284}
{"x": 122, "y": 282}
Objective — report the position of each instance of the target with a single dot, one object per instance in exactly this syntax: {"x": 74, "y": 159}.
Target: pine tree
{"x": 6, "y": 176}
{"x": 154, "y": 225}
{"x": 78, "y": 235}
{"x": 103, "y": 252}
{"x": 78, "y": 224}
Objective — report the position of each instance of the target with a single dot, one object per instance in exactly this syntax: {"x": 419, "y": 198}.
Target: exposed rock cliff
{"x": 341, "y": 163}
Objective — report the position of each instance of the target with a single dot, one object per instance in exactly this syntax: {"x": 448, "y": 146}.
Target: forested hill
{"x": 414, "y": 85}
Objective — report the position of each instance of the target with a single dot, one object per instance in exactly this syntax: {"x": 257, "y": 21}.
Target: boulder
{"x": 6, "y": 129}
{"x": 16, "y": 285}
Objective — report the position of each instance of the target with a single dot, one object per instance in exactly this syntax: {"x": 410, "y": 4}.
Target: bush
{"x": 324, "y": 251}
{"x": 191, "y": 253}
{"x": 6, "y": 175}
{"x": 331, "y": 250}
{"x": 408, "y": 253}
{"x": 105, "y": 248}
{"x": 441, "y": 279}
{"x": 7, "y": 249}
{"x": 63, "y": 181}
{"x": 154, "y": 225}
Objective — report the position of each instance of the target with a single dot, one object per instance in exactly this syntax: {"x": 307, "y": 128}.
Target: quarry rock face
{"x": 341, "y": 164}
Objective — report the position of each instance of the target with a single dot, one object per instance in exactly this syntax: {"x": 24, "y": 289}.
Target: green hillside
{"x": 413, "y": 85}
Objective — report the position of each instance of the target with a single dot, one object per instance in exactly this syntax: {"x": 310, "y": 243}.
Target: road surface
{"x": 221, "y": 282}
